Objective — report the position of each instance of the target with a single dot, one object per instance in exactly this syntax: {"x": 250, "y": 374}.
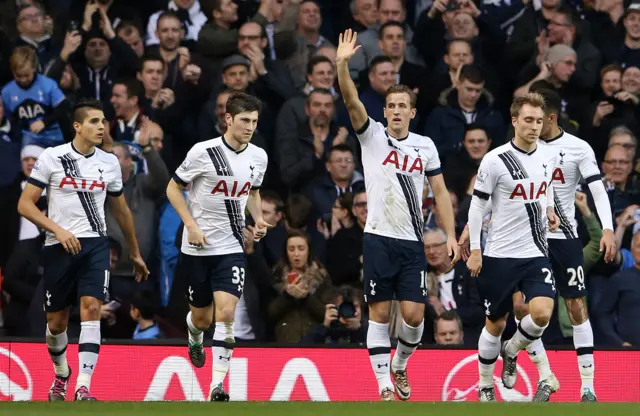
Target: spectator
{"x": 625, "y": 51}
{"x": 622, "y": 136}
{"x": 363, "y": 14}
{"x": 461, "y": 166}
{"x": 143, "y": 193}
{"x": 126, "y": 102}
{"x": 143, "y": 312}
{"x": 130, "y": 33}
{"x": 157, "y": 102}
{"x": 467, "y": 103}
{"x": 190, "y": 15}
{"x": 394, "y": 45}
{"x": 273, "y": 213}
{"x": 341, "y": 216}
{"x": 33, "y": 33}
{"x": 302, "y": 285}
{"x": 617, "y": 167}
{"x": 343, "y": 320}
{"x": 448, "y": 329}
{"x": 618, "y": 311}
{"x": 104, "y": 58}
{"x": 301, "y": 150}
{"x": 344, "y": 248}
{"x": 24, "y": 240}
{"x": 34, "y": 101}
{"x": 388, "y": 11}
{"x": 308, "y": 41}
{"x": 341, "y": 178}
{"x": 452, "y": 287}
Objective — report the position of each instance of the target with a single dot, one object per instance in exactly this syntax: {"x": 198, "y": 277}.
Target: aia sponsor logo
{"x": 82, "y": 184}
{"x": 461, "y": 384}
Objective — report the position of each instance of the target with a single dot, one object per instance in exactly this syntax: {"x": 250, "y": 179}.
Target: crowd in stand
{"x": 163, "y": 71}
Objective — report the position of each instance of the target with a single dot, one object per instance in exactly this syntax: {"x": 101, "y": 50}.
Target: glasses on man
{"x": 619, "y": 162}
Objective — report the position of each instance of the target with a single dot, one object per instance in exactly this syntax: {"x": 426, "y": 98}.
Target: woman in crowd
{"x": 302, "y": 284}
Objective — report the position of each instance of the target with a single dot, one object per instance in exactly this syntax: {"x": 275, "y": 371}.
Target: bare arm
{"x": 174, "y": 194}
{"x": 254, "y": 205}
{"x": 346, "y": 50}
{"x": 28, "y": 209}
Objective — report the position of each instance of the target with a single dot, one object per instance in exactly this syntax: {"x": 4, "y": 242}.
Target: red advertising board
{"x": 128, "y": 372}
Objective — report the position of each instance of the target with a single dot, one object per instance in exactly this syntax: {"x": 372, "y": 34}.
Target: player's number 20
{"x": 577, "y": 276}
{"x": 238, "y": 275}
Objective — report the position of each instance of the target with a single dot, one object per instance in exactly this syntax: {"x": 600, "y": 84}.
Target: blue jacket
{"x": 446, "y": 124}
{"x": 618, "y": 311}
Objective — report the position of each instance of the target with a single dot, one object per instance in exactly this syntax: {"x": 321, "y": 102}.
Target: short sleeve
{"x": 259, "y": 177}
{"x": 191, "y": 167}
{"x": 368, "y": 131}
{"x": 486, "y": 179}
{"x": 55, "y": 94}
{"x": 588, "y": 166}
{"x": 433, "y": 163}
{"x": 41, "y": 172}
{"x": 115, "y": 187}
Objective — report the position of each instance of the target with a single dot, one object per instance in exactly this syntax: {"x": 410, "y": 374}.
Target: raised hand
{"x": 347, "y": 46}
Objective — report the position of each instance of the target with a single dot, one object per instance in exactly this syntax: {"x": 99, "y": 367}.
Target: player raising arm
{"x": 225, "y": 174}
{"x": 395, "y": 165}
{"x": 78, "y": 177}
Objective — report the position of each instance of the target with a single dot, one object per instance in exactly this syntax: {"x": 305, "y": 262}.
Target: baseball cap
{"x": 235, "y": 60}
{"x": 633, "y": 7}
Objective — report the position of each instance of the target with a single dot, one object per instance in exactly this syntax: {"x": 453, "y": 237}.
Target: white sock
{"x": 379, "y": 347}
{"x": 223, "y": 340}
{"x": 488, "y": 351}
{"x": 408, "y": 340}
{"x": 196, "y": 337}
{"x": 538, "y": 356}
{"x": 57, "y": 345}
{"x": 583, "y": 342}
{"x": 527, "y": 332}
{"x": 88, "y": 350}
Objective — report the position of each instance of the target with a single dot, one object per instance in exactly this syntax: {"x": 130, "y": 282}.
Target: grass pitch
{"x": 332, "y": 409}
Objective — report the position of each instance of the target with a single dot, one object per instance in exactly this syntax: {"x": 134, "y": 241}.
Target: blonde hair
{"x": 22, "y": 56}
{"x": 533, "y": 99}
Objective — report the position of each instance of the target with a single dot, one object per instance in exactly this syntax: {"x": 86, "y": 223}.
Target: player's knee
{"x": 520, "y": 310}
{"x": 202, "y": 321}
{"x": 90, "y": 309}
{"x": 226, "y": 314}
{"x": 56, "y": 325}
{"x": 541, "y": 316}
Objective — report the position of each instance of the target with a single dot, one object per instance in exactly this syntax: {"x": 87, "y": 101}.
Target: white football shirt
{"x": 394, "y": 172}
{"x": 220, "y": 179}
{"x": 77, "y": 186}
{"x": 575, "y": 160}
{"x": 517, "y": 183}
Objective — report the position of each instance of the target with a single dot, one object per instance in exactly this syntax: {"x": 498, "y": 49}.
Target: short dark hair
{"x": 450, "y": 315}
{"x": 322, "y": 91}
{"x": 472, "y": 73}
{"x": 273, "y": 198}
{"x": 297, "y": 210}
{"x": 457, "y": 40}
{"x": 568, "y": 14}
{"x": 390, "y": 23}
{"x": 310, "y": 1}
{"x": 402, "y": 89}
{"x": 144, "y": 301}
{"x": 541, "y": 84}
{"x": 239, "y": 102}
{"x": 475, "y": 126}
{"x": 552, "y": 101}
{"x": 381, "y": 59}
{"x": 150, "y": 57}
{"x": 134, "y": 87}
{"x": 169, "y": 14}
{"x": 126, "y": 27}
{"x": 318, "y": 59}
{"x": 82, "y": 107}
{"x": 339, "y": 148}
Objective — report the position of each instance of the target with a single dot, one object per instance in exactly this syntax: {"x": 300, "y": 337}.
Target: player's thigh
{"x": 411, "y": 281}
{"x": 567, "y": 259}
{"x": 497, "y": 281}
{"x": 227, "y": 276}
{"x": 58, "y": 278}
{"x": 538, "y": 285}
{"x": 379, "y": 268}
{"x": 93, "y": 272}
{"x": 195, "y": 270}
